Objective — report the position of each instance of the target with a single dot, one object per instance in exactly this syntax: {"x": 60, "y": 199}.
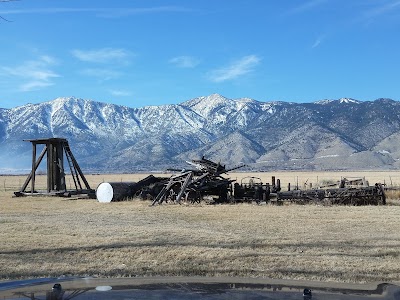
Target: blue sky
{"x": 146, "y": 52}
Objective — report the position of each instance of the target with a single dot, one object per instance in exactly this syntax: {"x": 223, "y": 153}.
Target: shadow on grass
{"x": 331, "y": 247}
{"x": 194, "y": 266}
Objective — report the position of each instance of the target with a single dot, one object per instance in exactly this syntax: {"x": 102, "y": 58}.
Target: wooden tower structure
{"x": 56, "y": 150}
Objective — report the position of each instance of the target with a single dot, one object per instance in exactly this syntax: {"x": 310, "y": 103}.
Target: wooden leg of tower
{"x": 33, "y": 168}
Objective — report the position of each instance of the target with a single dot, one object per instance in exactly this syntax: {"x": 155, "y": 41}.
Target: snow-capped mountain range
{"x": 324, "y": 135}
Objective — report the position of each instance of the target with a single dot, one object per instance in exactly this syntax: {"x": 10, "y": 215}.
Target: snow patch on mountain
{"x": 349, "y": 100}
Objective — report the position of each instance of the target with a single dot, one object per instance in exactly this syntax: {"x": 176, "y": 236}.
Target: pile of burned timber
{"x": 194, "y": 185}
{"x": 348, "y": 192}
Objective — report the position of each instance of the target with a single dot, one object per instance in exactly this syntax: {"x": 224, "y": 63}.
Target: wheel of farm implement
{"x": 171, "y": 196}
{"x": 381, "y": 193}
{"x": 193, "y": 197}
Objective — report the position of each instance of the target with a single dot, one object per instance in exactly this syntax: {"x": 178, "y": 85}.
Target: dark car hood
{"x": 193, "y": 288}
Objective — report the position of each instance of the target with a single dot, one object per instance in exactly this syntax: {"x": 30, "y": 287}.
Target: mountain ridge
{"x": 321, "y": 135}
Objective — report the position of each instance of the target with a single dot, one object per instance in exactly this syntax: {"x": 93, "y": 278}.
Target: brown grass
{"x": 43, "y": 236}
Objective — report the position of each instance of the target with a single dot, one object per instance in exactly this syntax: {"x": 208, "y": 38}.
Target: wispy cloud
{"x": 123, "y": 12}
{"x": 120, "y": 93}
{"x": 35, "y": 74}
{"x": 318, "y": 41}
{"x": 101, "y": 74}
{"x": 305, "y": 6}
{"x": 103, "y": 55}
{"x": 236, "y": 69}
{"x": 382, "y": 9}
{"x": 100, "y": 12}
{"x": 184, "y": 61}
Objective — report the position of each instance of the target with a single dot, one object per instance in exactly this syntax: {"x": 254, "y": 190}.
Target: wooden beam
{"x": 33, "y": 167}
{"x": 184, "y": 186}
{"x": 39, "y": 160}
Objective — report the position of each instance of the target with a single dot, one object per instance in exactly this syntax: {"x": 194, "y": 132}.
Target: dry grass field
{"x": 44, "y": 236}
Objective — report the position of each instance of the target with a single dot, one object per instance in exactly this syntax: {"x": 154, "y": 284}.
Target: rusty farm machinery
{"x": 346, "y": 192}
